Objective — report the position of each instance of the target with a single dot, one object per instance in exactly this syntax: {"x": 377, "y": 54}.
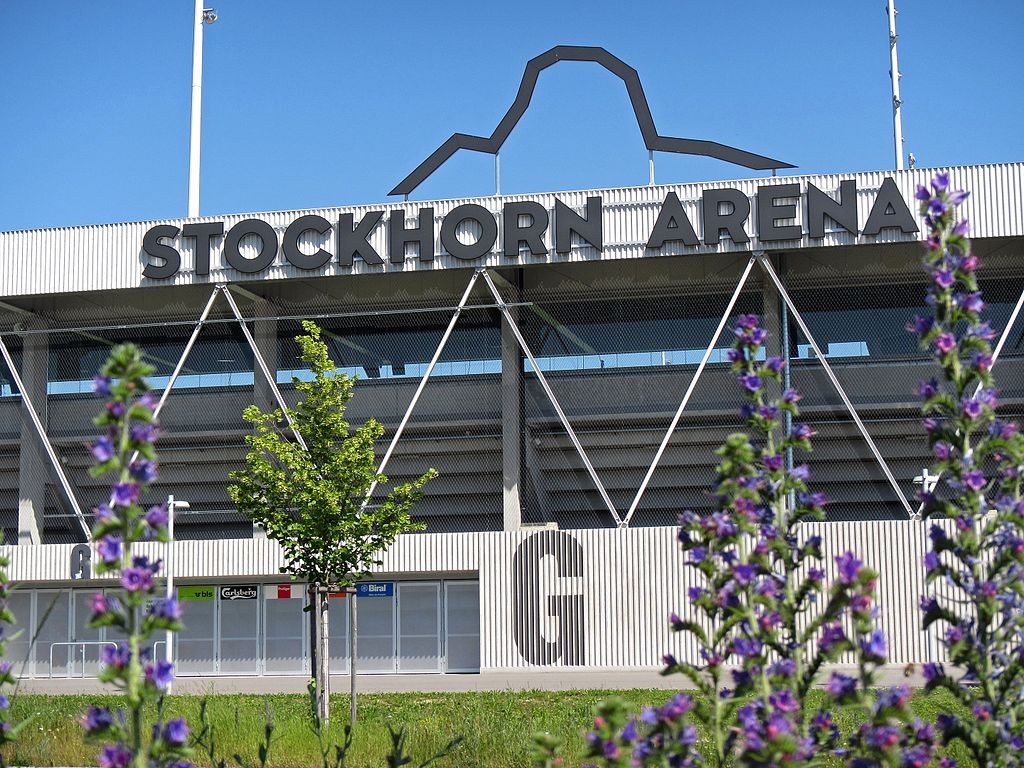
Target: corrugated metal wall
{"x": 110, "y": 256}
{"x": 593, "y": 598}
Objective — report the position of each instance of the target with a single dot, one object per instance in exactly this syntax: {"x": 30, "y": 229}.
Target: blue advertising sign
{"x": 376, "y": 589}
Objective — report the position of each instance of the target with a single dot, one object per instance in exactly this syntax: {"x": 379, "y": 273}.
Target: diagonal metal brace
{"x": 503, "y": 307}
{"x": 766, "y": 265}
{"x": 27, "y": 404}
{"x": 419, "y": 389}
{"x": 689, "y": 391}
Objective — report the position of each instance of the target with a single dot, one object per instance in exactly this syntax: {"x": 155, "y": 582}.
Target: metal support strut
{"x": 766, "y": 265}
{"x": 271, "y": 379}
{"x": 689, "y": 391}
{"x": 419, "y": 389}
{"x": 26, "y": 402}
{"x": 554, "y": 401}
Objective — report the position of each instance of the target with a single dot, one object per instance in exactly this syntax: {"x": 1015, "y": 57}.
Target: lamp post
{"x": 172, "y": 504}
{"x": 202, "y": 16}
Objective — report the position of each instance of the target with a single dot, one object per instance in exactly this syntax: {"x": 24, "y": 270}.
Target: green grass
{"x": 497, "y": 726}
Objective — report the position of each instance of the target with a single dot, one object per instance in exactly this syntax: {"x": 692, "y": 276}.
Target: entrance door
{"x": 462, "y": 626}
{"x": 419, "y": 627}
{"x": 375, "y": 634}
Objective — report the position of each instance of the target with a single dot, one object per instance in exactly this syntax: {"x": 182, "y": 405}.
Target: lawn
{"x": 497, "y": 726}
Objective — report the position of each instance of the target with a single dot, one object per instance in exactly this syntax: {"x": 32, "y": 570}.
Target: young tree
{"x": 312, "y": 500}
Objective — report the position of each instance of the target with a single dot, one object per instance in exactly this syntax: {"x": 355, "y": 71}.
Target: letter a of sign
{"x": 672, "y": 224}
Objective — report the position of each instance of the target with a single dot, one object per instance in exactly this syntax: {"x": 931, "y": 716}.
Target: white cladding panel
{"x": 593, "y": 598}
{"x": 110, "y": 256}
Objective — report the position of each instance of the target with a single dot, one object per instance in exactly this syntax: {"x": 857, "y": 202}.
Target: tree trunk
{"x": 322, "y": 656}
{"x": 352, "y": 658}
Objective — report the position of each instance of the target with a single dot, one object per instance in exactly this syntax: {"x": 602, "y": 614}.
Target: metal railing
{"x": 76, "y": 644}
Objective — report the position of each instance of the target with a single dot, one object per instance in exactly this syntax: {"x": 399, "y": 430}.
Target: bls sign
{"x": 541, "y": 603}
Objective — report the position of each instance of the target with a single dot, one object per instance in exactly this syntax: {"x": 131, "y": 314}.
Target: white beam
{"x": 766, "y": 265}
{"x": 689, "y": 390}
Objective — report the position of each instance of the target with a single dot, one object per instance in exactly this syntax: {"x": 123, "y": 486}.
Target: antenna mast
{"x": 894, "y": 74}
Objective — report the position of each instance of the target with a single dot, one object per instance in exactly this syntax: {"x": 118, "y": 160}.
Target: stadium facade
{"x": 558, "y": 358}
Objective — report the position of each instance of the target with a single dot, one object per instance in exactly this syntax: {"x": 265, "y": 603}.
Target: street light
{"x": 172, "y": 504}
{"x": 202, "y": 16}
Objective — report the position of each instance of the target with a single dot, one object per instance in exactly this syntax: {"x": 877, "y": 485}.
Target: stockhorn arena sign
{"x": 469, "y": 232}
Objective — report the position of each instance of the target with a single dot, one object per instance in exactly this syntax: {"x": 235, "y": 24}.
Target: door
{"x": 462, "y": 626}
{"x": 284, "y": 625}
{"x": 419, "y": 627}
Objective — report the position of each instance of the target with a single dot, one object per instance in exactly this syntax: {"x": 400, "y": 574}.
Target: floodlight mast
{"x": 200, "y": 17}
{"x": 894, "y": 74}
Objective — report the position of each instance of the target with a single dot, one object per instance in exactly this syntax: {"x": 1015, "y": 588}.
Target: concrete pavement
{"x": 555, "y": 679}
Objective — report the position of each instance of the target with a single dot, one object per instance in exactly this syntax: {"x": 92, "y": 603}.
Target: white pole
{"x": 170, "y": 571}
{"x": 197, "y": 110}
{"x": 894, "y": 74}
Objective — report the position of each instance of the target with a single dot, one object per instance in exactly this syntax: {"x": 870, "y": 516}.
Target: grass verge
{"x": 497, "y": 726}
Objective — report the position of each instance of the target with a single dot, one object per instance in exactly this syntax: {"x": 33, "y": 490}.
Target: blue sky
{"x": 321, "y": 102}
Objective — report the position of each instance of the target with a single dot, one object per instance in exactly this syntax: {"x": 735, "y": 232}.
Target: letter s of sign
{"x": 531, "y": 605}
{"x": 153, "y": 248}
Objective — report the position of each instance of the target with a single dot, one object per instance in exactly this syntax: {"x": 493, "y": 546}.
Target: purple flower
{"x": 159, "y": 674}
{"x": 849, "y": 567}
{"x": 943, "y": 278}
{"x": 103, "y": 513}
{"x": 96, "y": 719}
{"x": 937, "y": 207}
{"x": 102, "y": 450}
{"x": 143, "y": 433}
{"x": 149, "y": 400}
{"x": 940, "y": 181}
{"x": 790, "y": 396}
{"x": 800, "y": 472}
{"x": 972, "y": 302}
{"x": 746, "y": 647}
{"x": 956, "y": 197}
{"x": 942, "y": 450}
{"x": 100, "y": 604}
{"x": 962, "y": 227}
{"x": 125, "y": 494}
{"x": 139, "y": 577}
{"x": 832, "y": 635}
{"x": 156, "y": 516}
{"x": 802, "y": 432}
{"x": 841, "y": 687}
{"x": 143, "y": 470}
{"x": 931, "y": 671}
{"x": 975, "y": 479}
{"x": 115, "y": 756}
{"x": 920, "y": 325}
{"x": 116, "y": 656}
{"x": 922, "y": 193}
{"x": 874, "y": 647}
{"x": 101, "y": 386}
{"x": 927, "y": 389}
{"x": 750, "y": 381}
{"x": 169, "y": 609}
{"x": 775, "y": 364}
{"x": 931, "y": 561}
{"x": 109, "y": 548}
{"x": 116, "y": 409}
{"x": 176, "y": 732}
{"x": 744, "y": 573}
{"x": 944, "y": 342}
{"x": 773, "y": 462}
{"x": 971, "y": 408}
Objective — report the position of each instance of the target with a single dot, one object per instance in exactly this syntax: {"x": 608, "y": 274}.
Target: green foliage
{"x": 311, "y": 501}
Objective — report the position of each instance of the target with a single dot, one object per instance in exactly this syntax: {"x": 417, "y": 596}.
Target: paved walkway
{"x": 544, "y": 680}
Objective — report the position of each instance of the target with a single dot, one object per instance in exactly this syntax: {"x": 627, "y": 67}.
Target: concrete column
{"x": 264, "y": 331}
{"x": 511, "y": 418}
{"x": 33, "y": 463}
